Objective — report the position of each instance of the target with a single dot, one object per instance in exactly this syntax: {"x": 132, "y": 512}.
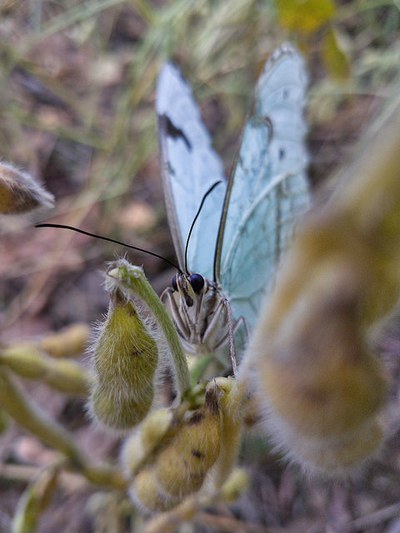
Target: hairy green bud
{"x": 125, "y": 359}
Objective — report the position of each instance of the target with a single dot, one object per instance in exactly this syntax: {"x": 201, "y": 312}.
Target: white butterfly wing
{"x": 269, "y": 186}
{"x": 190, "y": 168}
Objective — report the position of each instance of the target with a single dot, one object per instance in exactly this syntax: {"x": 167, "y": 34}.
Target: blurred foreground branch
{"x": 320, "y": 384}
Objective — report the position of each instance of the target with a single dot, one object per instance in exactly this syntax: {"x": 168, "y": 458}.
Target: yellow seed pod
{"x": 146, "y": 495}
{"x": 69, "y": 342}
{"x": 125, "y": 359}
{"x": 144, "y": 440}
{"x": 233, "y": 399}
{"x": 182, "y": 465}
{"x": 235, "y": 485}
{"x": 132, "y": 454}
{"x": 155, "y": 427}
{"x": 27, "y": 361}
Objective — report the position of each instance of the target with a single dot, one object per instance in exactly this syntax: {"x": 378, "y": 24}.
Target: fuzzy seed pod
{"x": 321, "y": 387}
{"x": 69, "y": 342}
{"x": 182, "y": 465}
{"x": 155, "y": 427}
{"x": 19, "y": 193}
{"x": 118, "y": 412}
{"x": 144, "y": 440}
{"x": 29, "y": 362}
{"x": 339, "y": 455}
{"x": 145, "y": 493}
{"x": 125, "y": 359}
{"x": 233, "y": 398}
{"x": 235, "y": 485}
{"x": 326, "y": 399}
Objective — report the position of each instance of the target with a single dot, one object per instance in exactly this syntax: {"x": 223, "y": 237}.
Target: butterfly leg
{"x": 229, "y": 338}
{"x": 222, "y": 319}
{"x": 169, "y": 301}
{"x": 224, "y": 340}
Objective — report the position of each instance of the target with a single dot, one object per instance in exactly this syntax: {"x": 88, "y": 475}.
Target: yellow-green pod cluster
{"x": 125, "y": 358}
{"x": 180, "y": 466}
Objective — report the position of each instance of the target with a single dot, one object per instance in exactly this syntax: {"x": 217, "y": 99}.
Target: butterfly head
{"x": 189, "y": 286}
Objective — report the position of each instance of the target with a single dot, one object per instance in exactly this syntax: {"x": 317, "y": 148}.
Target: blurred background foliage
{"x": 77, "y": 83}
{"x": 77, "y": 110}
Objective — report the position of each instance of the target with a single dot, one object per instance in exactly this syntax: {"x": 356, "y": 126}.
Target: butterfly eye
{"x": 174, "y": 283}
{"x": 197, "y": 282}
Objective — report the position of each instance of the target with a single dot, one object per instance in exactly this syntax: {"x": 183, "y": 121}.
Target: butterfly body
{"x": 246, "y": 222}
{"x": 199, "y": 313}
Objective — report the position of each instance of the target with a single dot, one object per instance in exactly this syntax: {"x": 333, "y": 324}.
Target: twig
{"x": 21, "y": 408}
{"x": 373, "y": 519}
{"x": 68, "y": 481}
{"x": 229, "y": 524}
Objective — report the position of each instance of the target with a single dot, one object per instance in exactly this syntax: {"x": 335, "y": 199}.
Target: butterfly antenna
{"x": 77, "y": 230}
{"x": 195, "y": 219}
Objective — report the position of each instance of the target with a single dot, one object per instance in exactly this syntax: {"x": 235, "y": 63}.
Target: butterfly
{"x": 245, "y": 223}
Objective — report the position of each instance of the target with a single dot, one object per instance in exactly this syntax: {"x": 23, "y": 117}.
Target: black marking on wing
{"x": 170, "y": 168}
{"x": 268, "y": 122}
{"x": 174, "y": 132}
